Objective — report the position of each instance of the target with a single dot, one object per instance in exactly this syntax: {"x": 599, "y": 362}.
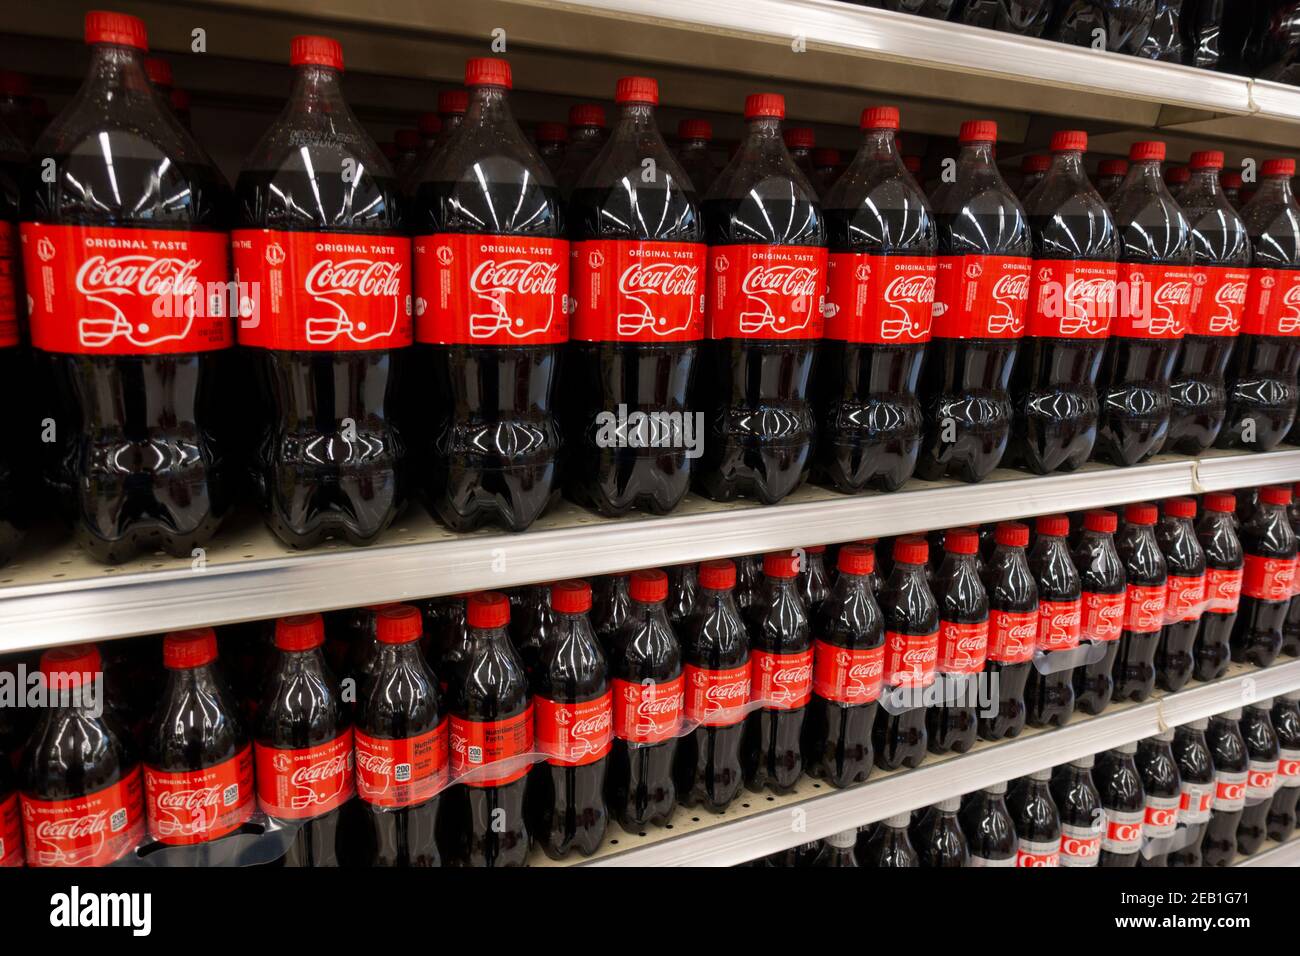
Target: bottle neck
{"x": 1068, "y": 163}
{"x": 1274, "y": 190}
{"x": 192, "y": 678}
{"x": 649, "y": 611}
{"x": 316, "y": 91}
{"x": 1147, "y": 174}
{"x": 585, "y": 135}
{"x": 763, "y": 130}
{"x": 634, "y": 118}
{"x": 977, "y": 154}
{"x": 484, "y": 637}
{"x": 1204, "y": 182}
{"x": 404, "y": 654}
{"x": 488, "y": 105}
{"x": 880, "y": 142}
{"x": 115, "y": 69}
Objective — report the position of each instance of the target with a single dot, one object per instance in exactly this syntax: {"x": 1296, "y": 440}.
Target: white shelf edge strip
{"x": 1283, "y": 854}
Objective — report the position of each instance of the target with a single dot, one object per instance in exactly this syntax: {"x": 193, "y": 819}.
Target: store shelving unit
{"x": 1274, "y": 854}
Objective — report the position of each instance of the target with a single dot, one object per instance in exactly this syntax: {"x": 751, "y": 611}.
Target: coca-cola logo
{"x": 1162, "y": 817}
{"x": 1173, "y": 293}
{"x": 911, "y": 300}
{"x": 919, "y": 656}
{"x": 1232, "y": 791}
{"x": 189, "y": 800}
{"x": 519, "y": 276}
{"x": 786, "y": 281}
{"x": 1125, "y": 832}
{"x": 1231, "y": 294}
{"x": 664, "y": 278}
{"x": 728, "y": 693}
{"x": 1037, "y": 859}
{"x": 365, "y": 277}
{"x": 1010, "y": 292}
{"x": 1260, "y": 779}
{"x": 596, "y": 725}
{"x": 138, "y": 275}
{"x": 518, "y": 295}
{"x": 655, "y": 707}
{"x": 1079, "y": 847}
{"x": 645, "y": 286}
{"x": 374, "y": 764}
{"x": 72, "y": 829}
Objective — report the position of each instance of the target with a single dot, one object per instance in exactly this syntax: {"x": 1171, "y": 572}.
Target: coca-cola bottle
{"x": 814, "y": 586}
{"x": 1221, "y": 260}
{"x": 848, "y": 673}
{"x": 1033, "y": 170}
{"x": 586, "y": 137}
{"x": 1224, "y": 563}
{"x": 401, "y": 747}
{"x": 1262, "y": 377}
{"x": 1266, "y": 583}
{"x": 1013, "y": 630}
{"x": 327, "y": 311}
{"x": 800, "y": 140}
{"x": 638, "y": 295}
{"x": 963, "y": 643}
{"x": 1049, "y": 696}
{"x": 937, "y": 836}
{"x": 1231, "y": 182}
{"x": 1110, "y": 176}
{"x": 1083, "y": 818}
{"x": 1286, "y": 723}
{"x": 1071, "y": 303}
{"x": 694, "y": 142}
{"x": 1144, "y": 614}
{"x": 1124, "y": 801}
{"x": 1176, "y": 179}
{"x": 1037, "y": 820}
{"x": 911, "y": 619}
{"x": 1163, "y": 785}
{"x": 1196, "y": 799}
{"x": 781, "y": 677}
{"x": 749, "y": 581}
{"x": 683, "y": 591}
{"x": 990, "y": 831}
{"x": 127, "y": 262}
{"x": 453, "y": 649}
{"x": 79, "y": 778}
{"x": 1153, "y": 302}
{"x": 889, "y": 845}
{"x": 1231, "y": 770}
{"x": 837, "y": 851}
{"x": 491, "y": 281}
{"x": 645, "y": 668}
{"x": 198, "y": 760}
{"x": 452, "y": 105}
{"x": 715, "y": 649}
{"x": 11, "y": 824}
{"x": 1103, "y": 582}
{"x": 303, "y": 746}
{"x": 491, "y": 729}
{"x": 1291, "y": 625}
{"x": 980, "y": 300}
{"x": 767, "y": 282}
{"x": 16, "y": 460}
{"x": 880, "y": 296}
{"x": 612, "y": 610}
{"x": 1185, "y": 592}
{"x": 1264, "y": 751}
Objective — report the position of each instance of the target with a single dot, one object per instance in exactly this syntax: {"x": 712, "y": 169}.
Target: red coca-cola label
{"x": 1013, "y": 636}
{"x": 1152, "y": 301}
{"x": 1218, "y": 300}
{"x": 962, "y": 647}
{"x": 573, "y": 734}
{"x": 1223, "y": 590}
{"x": 981, "y": 297}
{"x": 1058, "y": 625}
{"x": 10, "y": 270}
{"x": 1288, "y": 769}
{"x": 717, "y": 698}
{"x": 1261, "y": 780}
{"x": 1268, "y": 579}
{"x": 1080, "y": 846}
{"x": 1272, "y": 302}
{"x": 1038, "y": 853}
{"x": 301, "y": 784}
{"x": 97, "y": 290}
{"x": 93, "y": 830}
{"x": 402, "y": 772}
{"x": 1161, "y": 817}
{"x": 1102, "y": 616}
{"x": 1144, "y": 608}
{"x": 1184, "y": 597}
{"x": 781, "y": 681}
{"x": 196, "y": 806}
{"x": 910, "y": 659}
{"x": 1071, "y": 299}
{"x": 11, "y": 832}
{"x": 1229, "y": 791}
{"x": 317, "y": 291}
{"x": 480, "y": 743}
{"x": 630, "y": 291}
{"x": 648, "y": 713}
{"x": 885, "y": 300}
{"x": 845, "y": 676}
{"x": 491, "y": 290}
{"x": 1123, "y": 831}
{"x": 766, "y": 292}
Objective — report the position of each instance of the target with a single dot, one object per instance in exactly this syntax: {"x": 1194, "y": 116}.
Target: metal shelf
{"x": 761, "y": 824}
{"x": 1274, "y": 854}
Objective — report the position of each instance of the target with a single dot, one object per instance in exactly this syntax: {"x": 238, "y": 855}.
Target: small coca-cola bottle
{"x": 573, "y": 727}
{"x": 1049, "y": 696}
{"x": 1144, "y": 614}
{"x": 645, "y": 669}
{"x": 1083, "y": 818}
{"x": 452, "y": 105}
{"x": 715, "y": 649}
{"x": 1102, "y": 577}
{"x": 848, "y": 673}
{"x": 1163, "y": 785}
{"x": 1286, "y": 723}
{"x": 683, "y": 592}
{"x": 1033, "y": 170}
{"x": 694, "y": 139}
{"x": 1124, "y": 801}
{"x": 1267, "y": 579}
{"x": 937, "y": 836}
{"x": 80, "y": 781}
{"x": 1110, "y": 176}
{"x": 586, "y": 137}
{"x": 401, "y": 747}
{"x": 551, "y": 139}
{"x": 827, "y": 168}
{"x": 198, "y": 760}
{"x": 814, "y": 586}
{"x": 952, "y": 726}
{"x": 1224, "y": 564}
{"x": 781, "y": 677}
{"x": 800, "y": 141}
{"x": 1196, "y": 798}
{"x": 990, "y": 831}
{"x": 911, "y": 650}
{"x": 749, "y": 581}
{"x": 1263, "y": 748}
{"x": 1185, "y": 589}
{"x": 1231, "y": 771}
{"x": 303, "y": 745}
{"x": 453, "y": 649}
{"x": 1013, "y": 630}
{"x": 889, "y": 845}
{"x": 611, "y": 608}
{"x": 837, "y": 850}
{"x": 1037, "y": 820}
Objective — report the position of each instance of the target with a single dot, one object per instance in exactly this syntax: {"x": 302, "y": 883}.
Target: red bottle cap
{"x": 1037, "y": 163}
{"x": 552, "y": 133}
{"x": 320, "y": 51}
{"x": 71, "y": 663}
{"x": 815, "y": 549}
{"x": 1140, "y": 514}
{"x": 587, "y": 114}
{"x": 1275, "y": 495}
{"x": 911, "y": 549}
{"x": 1112, "y": 167}
{"x": 1278, "y": 167}
{"x": 159, "y": 71}
{"x": 300, "y": 632}
{"x": 14, "y": 84}
{"x": 1180, "y": 507}
{"x": 487, "y": 71}
{"x": 1177, "y": 175}
{"x": 1053, "y": 526}
{"x": 487, "y": 609}
{"x": 1101, "y": 520}
{"x": 879, "y": 117}
{"x": 825, "y": 156}
{"x": 695, "y": 129}
{"x": 637, "y": 89}
{"x": 1207, "y": 159}
{"x": 648, "y": 586}
{"x": 122, "y": 29}
{"x": 856, "y": 559}
{"x": 912, "y": 164}
{"x": 1069, "y": 141}
{"x": 408, "y": 140}
{"x": 452, "y": 101}
{"x": 979, "y": 131}
{"x": 1012, "y": 534}
{"x": 571, "y": 597}
{"x": 961, "y": 541}
{"x": 430, "y": 125}
{"x": 781, "y": 564}
{"x": 1223, "y": 502}
{"x": 800, "y": 137}
{"x": 764, "y": 104}
{"x": 398, "y": 624}
{"x": 1146, "y": 152}
{"x": 718, "y": 575}
{"x": 1231, "y": 180}
{"x": 183, "y": 650}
